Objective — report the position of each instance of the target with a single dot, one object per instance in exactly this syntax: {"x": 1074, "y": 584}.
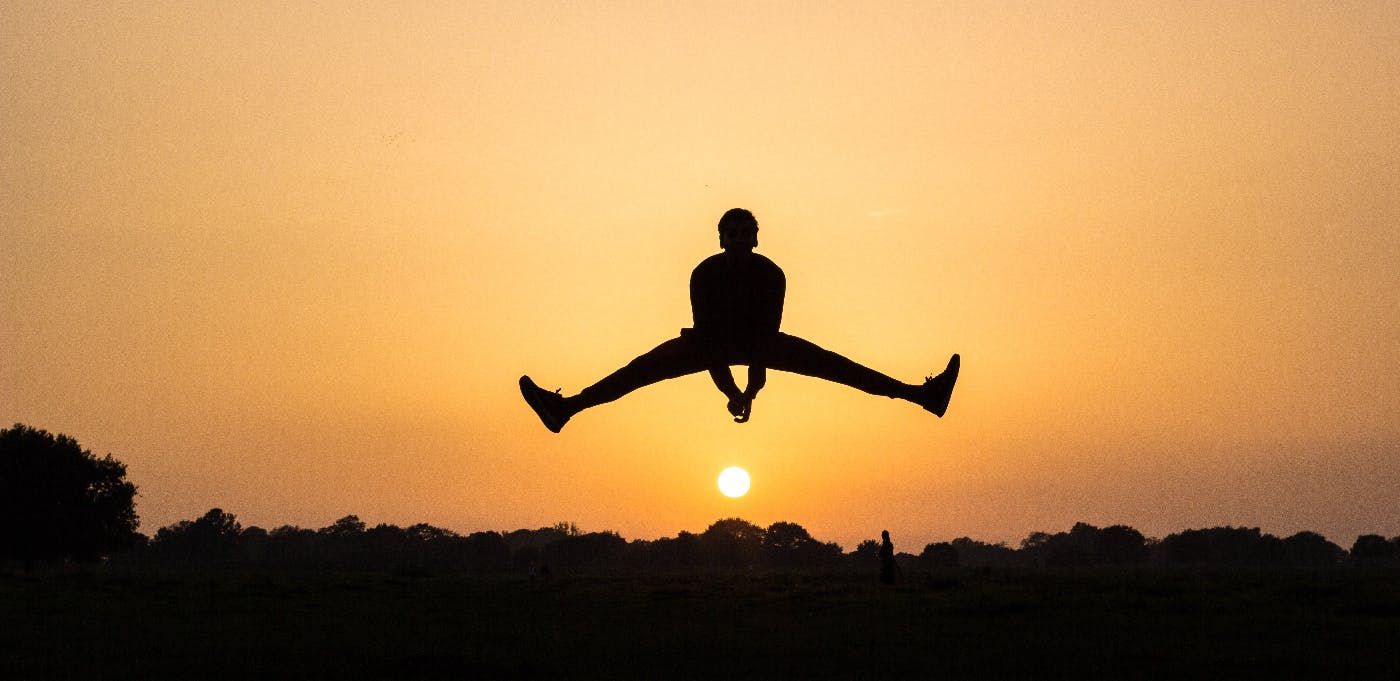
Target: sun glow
{"x": 734, "y": 482}
{"x": 344, "y": 232}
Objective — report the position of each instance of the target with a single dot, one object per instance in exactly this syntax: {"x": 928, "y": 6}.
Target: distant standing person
{"x": 887, "y": 564}
{"x": 736, "y": 298}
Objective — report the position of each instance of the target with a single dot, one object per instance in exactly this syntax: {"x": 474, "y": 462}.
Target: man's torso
{"x": 737, "y": 298}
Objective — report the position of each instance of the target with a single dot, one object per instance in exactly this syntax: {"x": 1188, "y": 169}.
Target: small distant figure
{"x": 736, "y": 298}
{"x": 888, "y": 566}
{"x": 539, "y": 572}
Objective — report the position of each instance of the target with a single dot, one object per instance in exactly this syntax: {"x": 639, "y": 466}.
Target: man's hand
{"x": 740, "y": 407}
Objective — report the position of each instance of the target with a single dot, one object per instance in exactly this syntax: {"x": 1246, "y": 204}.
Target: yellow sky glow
{"x": 290, "y": 260}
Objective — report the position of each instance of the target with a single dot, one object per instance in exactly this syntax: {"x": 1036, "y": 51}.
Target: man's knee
{"x": 680, "y": 355}
{"x": 790, "y": 350}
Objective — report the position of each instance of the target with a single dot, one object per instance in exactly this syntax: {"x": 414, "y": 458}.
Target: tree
{"x": 939, "y": 555}
{"x": 732, "y": 542}
{"x": 434, "y": 548}
{"x": 1085, "y": 544}
{"x": 254, "y": 541}
{"x": 671, "y": 553}
{"x": 535, "y": 540}
{"x": 214, "y": 537}
{"x": 1373, "y": 549}
{"x": 58, "y": 501}
{"x": 595, "y": 549}
{"x": 866, "y": 555}
{"x": 292, "y": 546}
{"x": 1120, "y": 545}
{"x": 1060, "y": 549}
{"x": 486, "y": 551}
{"x": 1228, "y": 546}
{"x": 1310, "y": 549}
{"x": 785, "y": 537}
{"x": 789, "y": 545}
{"x": 342, "y": 543}
{"x": 348, "y": 527}
{"x": 975, "y": 553}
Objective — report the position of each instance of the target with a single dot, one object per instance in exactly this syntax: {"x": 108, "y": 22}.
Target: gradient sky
{"x": 290, "y": 259}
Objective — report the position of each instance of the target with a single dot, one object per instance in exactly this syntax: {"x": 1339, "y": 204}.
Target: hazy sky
{"x": 289, "y": 259}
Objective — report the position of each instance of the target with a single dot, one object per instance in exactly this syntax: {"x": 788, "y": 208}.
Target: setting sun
{"x": 354, "y": 312}
{"x": 734, "y": 482}
{"x": 322, "y": 242}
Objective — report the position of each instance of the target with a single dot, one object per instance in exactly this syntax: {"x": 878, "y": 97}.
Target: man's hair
{"x": 737, "y": 217}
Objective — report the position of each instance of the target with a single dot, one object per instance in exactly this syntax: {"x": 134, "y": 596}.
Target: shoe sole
{"x": 950, "y": 375}
{"x": 531, "y": 393}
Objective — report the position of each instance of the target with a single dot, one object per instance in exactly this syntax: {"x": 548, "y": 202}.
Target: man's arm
{"x": 758, "y": 377}
{"x": 724, "y": 380}
{"x": 704, "y": 303}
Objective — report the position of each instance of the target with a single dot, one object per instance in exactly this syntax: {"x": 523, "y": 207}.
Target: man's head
{"x": 738, "y": 230}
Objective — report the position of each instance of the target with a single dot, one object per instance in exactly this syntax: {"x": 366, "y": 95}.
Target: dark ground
{"x": 960, "y": 623}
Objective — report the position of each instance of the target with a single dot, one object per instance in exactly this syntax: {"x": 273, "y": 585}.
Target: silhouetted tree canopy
{"x": 348, "y": 527}
{"x": 975, "y": 553}
{"x": 1227, "y": 546}
{"x": 217, "y": 539}
{"x": 668, "y": 553}
{"x": 1120, "y": 545}
{"x": 1085, "y": 544}
{"x": 785, "y": 537}
{"x": 595, "y": 549}
{"x": 58, "y": 501}
{"x": 1310, "y": 549}
{"x": 866, "y": 553}
{"x": 789, "y": 545}
{"x": 212, "y": 538}
{"x": 1373, "y": 549}
{"x": 732, "y": 542}
{"x": 939, "y": 555}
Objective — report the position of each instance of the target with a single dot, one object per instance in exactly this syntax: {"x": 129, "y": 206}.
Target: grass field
{"x": 954, "y": 624}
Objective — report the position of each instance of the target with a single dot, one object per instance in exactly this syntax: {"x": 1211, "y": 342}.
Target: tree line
{"x": 218, "y": 539}
{"x": 60, "y": 503}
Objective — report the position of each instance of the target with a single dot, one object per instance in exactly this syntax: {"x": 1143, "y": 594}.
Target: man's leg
{"x": 792, "y": 354}
{"x": 795, "y": 355}
{"x": 677, "y": 357}
{"x": 674, "y": 358}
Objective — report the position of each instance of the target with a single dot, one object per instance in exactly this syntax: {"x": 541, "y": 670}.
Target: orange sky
{"x": 290, "y": 260}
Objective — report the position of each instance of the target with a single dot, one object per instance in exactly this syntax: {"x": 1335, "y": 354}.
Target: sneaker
{"x": 937, "y": 390}
{"x": 549, "y": 406}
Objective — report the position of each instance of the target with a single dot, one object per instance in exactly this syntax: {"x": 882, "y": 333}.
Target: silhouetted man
{"x": 736, "y": 298}
{"x": 887, "y": 564}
